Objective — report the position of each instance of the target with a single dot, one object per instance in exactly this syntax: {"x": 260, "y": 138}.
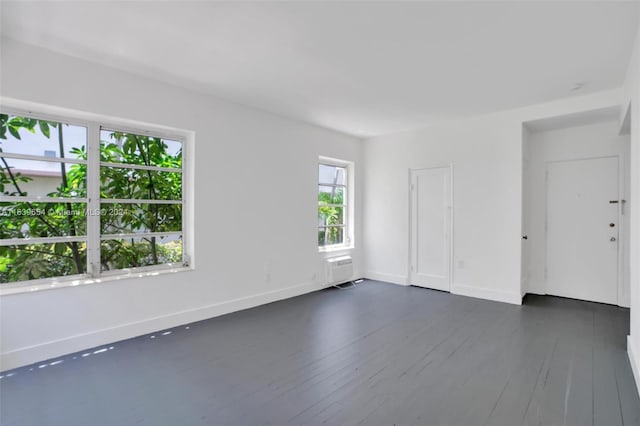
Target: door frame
{"x": 411, "y": 170}
{"x": 620, "y": 299}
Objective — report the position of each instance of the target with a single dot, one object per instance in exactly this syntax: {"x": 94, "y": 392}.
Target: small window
{"x": 333, "y": 204}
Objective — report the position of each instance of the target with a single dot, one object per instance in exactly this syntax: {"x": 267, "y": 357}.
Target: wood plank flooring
{"x": 379, "y": 354}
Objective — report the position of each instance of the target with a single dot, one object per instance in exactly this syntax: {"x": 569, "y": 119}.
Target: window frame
{"x": 106, "y": 237}
{"x": 93, "y": 238}
{"x": 348, "y": 202}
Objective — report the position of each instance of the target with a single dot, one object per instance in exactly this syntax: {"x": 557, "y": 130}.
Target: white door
{"x": 430, "y": 228}
{"x": 582, "y": 229}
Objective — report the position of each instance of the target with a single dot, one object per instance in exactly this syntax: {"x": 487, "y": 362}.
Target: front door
{"x": 582, "y": 229}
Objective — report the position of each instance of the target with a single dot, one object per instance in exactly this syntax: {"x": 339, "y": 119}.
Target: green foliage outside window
{"x": 330, "y": 215}
{"x": 331, "y": 204}
{"x": 22, "y": 219}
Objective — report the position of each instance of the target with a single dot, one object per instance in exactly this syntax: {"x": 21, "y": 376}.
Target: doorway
{"x": 430, "y": 233}
{"x": 575, "y": 222}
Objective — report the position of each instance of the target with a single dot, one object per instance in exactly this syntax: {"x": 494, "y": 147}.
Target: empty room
{"x": 319, "y": 213}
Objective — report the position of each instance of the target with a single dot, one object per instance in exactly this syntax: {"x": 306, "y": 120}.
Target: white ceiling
{"x": 363, "y": 68}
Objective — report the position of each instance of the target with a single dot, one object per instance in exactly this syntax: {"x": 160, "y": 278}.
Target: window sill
{"x": 332, "y": 249}
{"x": 77, "y": 281}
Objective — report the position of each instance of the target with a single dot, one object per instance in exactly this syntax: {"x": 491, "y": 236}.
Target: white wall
{"x": 487, "y": 156}
{"x": 632, "y": 94}
{"x": 255, "y": 202}
{"x": 593, "y": 140}
{"x": 483, "y": 220}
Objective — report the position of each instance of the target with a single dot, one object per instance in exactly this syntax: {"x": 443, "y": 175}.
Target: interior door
{"x": 431, "y": 228}
{"x": 582, "y": 229}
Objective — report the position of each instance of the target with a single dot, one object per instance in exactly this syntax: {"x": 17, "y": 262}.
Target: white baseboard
{"x": 633, "y": 360}
{"x": 388, "y": 278}
{"x": 32, "y": 354}
{"x": 487, "y": 294}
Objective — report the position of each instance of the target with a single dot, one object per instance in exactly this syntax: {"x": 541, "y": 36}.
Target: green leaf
{"x": 59, "y": 248}
{"x": 14, "y": 132}
{"x": 44, "y": 128}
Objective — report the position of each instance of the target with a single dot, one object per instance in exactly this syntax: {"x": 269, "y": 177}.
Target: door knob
{"x": 612, "y": 239}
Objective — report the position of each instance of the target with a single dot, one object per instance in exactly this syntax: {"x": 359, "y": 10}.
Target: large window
{"x": 333, "y": 204}
{"x": 81, "y": 200}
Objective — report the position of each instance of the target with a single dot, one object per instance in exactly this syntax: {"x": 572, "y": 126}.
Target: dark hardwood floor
{"x": 379, "y": 354}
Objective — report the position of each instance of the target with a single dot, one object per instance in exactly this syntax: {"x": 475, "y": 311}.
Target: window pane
{"x": 125, "y": 183}
{"x": 116, "y": 182}
{"x": 331, "y": 235}
{"x": 120, "y": 147}
{"x": 42, "y": 178}
{"x": 24, "y": 135}
{"x": 38, "y": 220}
{"x": 138, "y": 252}
{"x": 331, "y": 195}
{"x": 35, "y": 261}
{"x": 330, "y": 215}
{"x": 133, "y": 218}
{"x": 331, "y": 174}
